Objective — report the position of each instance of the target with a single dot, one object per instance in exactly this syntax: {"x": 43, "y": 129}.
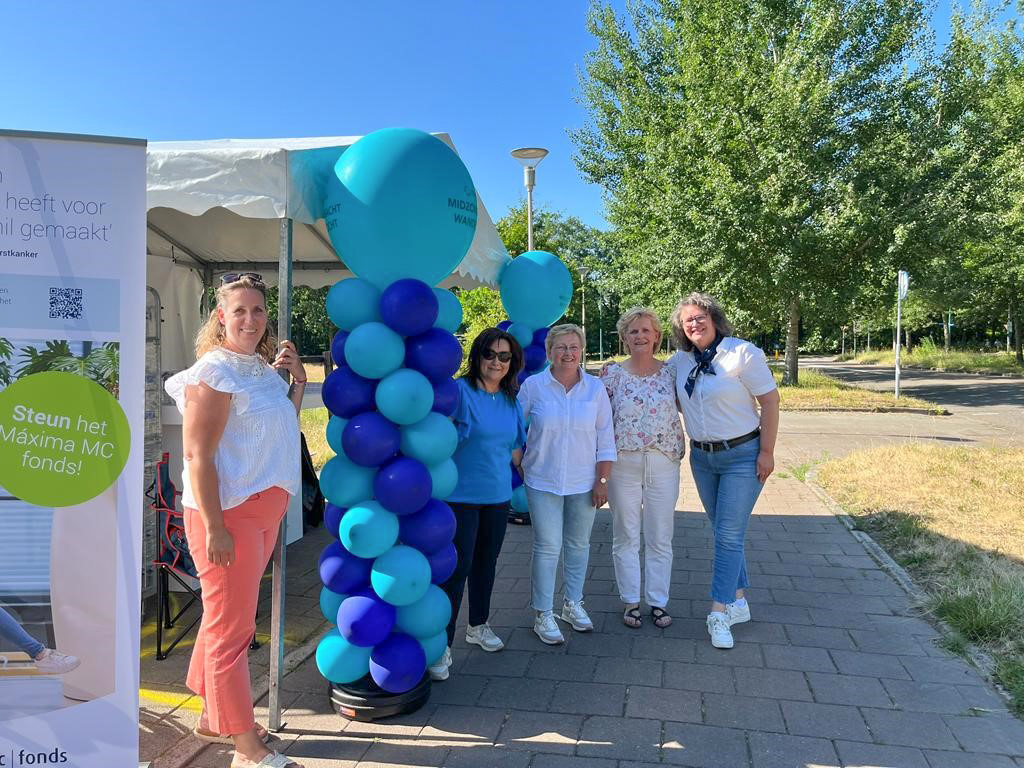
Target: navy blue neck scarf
{"x": 703, "y": 360}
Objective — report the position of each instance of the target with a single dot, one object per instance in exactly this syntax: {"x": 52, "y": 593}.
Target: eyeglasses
{"x": 696, "y": 320}
{"x": 234, "y": 277}
{"x": 503, "y": 357}
{"x": 561, "y": 349}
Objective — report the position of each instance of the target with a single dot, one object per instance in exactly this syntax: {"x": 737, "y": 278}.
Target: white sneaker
{"x": 576, "y": 616}
{"x": 546, "y": 628}
{"x": 738, "y": 613}
{"x": 718, "y": 628}
{"x": 439, "y": 670}
{"x": 484, "y": 636}
{"x": 51, "y": 662}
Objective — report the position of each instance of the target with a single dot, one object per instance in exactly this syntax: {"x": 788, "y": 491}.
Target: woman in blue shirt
{"x": 491, "y": 432}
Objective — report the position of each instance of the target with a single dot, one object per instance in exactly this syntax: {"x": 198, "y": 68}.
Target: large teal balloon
{"x": 536, "y": 288}
{"x": 401, "y": 575}
{"x": 444, "y": 476}
{"x": 373, "y": 350}
{"x": 449, "y": 310}
{"x": 427, "y": 616}
{"x": 353, "y": 301}
{"x": 339, "y": 660}
{"x": 335, "y": 426}
{"x": 368, "y": 530}
{"x": 434, "y": 647}
{"x": 345, "y": 483}
{"x": 330, "y": 602}
{"x": 405, "y": 396}
{"x": 400, "y": 203}
{"x": 431, "y": 440}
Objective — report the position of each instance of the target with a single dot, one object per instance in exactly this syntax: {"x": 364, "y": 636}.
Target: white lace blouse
{"x": 260, "y": 445}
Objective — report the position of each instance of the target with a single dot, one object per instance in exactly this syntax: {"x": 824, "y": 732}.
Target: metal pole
{"x": 583, "y": 315}
{"x": 277, "y": 601}
{"x": 899, "y": 322}
{"x": 529, "y": 177}
{"x": 600, "y": 329}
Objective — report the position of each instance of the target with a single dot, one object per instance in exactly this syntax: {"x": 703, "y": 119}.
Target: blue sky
{"x": 495, "y": 74}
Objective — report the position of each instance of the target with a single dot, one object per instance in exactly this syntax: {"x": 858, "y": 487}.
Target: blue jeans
{"x": 561, "y": 526}
{"x": 11, "y": 631}
{"x": 728, "y": 487}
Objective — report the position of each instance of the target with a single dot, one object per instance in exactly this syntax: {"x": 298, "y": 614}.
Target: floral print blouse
{"x": 644, "y": 410}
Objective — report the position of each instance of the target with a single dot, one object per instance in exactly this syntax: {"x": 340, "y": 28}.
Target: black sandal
{"x": 661, "y": 617}
{"x": 631, "y": 618}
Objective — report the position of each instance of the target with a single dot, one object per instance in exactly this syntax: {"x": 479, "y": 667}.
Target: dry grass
{"x": 313, "y": 423}
{"x": 931, "y": 356}
{"x": 817, "y": 392}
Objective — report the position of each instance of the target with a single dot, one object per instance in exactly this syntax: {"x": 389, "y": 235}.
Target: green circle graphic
{"x": 63, "y": 439}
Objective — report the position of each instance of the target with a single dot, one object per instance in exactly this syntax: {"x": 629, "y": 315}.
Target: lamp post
{"x": 529, "y": 158}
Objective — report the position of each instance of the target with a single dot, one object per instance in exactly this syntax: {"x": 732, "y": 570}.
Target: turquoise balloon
{"x": 427, "y": 616}
{"x": 536, "y": 288}
{"x": 373, "y": 350}
{"x": 431, "y": 440}
{"x": 434, "y": 647}
{"x": 368, "y": 530}
{"x": 519, "y": 503}
{"x": 444, "y": 476}
{"x": 522, "y": 333}
{"x": 330, "y": 602}
{"x": 405, "y": 396}
{"x": 335, "y": 426}
{"x": 400, "y": 203}
{"x": 449, "y": 310}
{"x": 339, "y": 660}
{"x": 401, "y": 576}
{"x": 351, "y": 302}
{"x": 345, "y": 483}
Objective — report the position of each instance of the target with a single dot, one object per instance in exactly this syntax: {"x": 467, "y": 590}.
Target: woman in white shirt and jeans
{"x": 720, "y": 382}
{"x": 241, "y": 450}
{"x": 570, "y": 448}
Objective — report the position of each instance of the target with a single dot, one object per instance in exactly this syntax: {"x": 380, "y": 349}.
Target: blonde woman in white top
{"x": 241, "y": 450}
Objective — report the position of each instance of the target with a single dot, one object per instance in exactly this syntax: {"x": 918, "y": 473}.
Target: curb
{"x": 879, "y": 409}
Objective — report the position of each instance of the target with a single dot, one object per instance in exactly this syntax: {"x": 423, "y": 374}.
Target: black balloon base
{"x": 364, "y": 700}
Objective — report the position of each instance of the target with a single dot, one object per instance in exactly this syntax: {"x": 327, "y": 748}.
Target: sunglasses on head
{"x": 490, "y": 354}
{"x": 234, "y": 277}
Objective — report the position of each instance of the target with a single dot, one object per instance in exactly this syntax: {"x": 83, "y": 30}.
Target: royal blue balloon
{"x": 364, "y": 619}
{"x": 504, "y": 325}
{"x": 540, "y": 335}
{"x": 400, "y": 203}
{"x": 429, "y": 529}
{"x": 368, "y": 530}
{"x": 403, "y": 485}
{"x": 335, "y": 428}
{"x": 523, "y": 376}
{"x": 444, "y": 477}
{"x": 352, "y": 302}
{"x": 346, "y": 393}
{"x": 446, "y": 397}
{"x": 427, "y": 616}
{"x": 332, "y": 518}
{"x": 534, "y": 357}
{"x": 405, "y": 396}
{"x": 339, "y": 660}
{"x": 521, "y": 332}
{"x": 338, "y": 347}
{"x": 409, "y": 307}
{"x": 536, "y": 288}
{"x": 517, "y": 479}
{"x": 436, "y": 354}
{"x": 449, "y": 310}
{"x": 442, "y": 564}
{"x": 431, "y": 440}
{"x": 345, "y": 483}
{"x": 341, "y": 571}
{"x": 397, "y": 665}
{"x": 330, "y": 602}
{"x": 401, "y": 575}
{"x": 373, "y": 350}
{"x": 519, "y": 503}
{"x": 369, "y": 439}
{"x": 434, "y": 647}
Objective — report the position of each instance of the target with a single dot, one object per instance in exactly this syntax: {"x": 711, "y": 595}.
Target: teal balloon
{"x": 345, "y": 483}
{"x": 449, "y": 310}
{"x": 335, "y": 426}
{"x": 434, "y": 646}
{"x": 427, "y": 616}
{"x": 368, "y": 530}
{"x": 373, "y": 350}
{"x": 536, "y": 288}
{"x": 522, "y": 333}
{"x": 401, "y": 576}
{"x": 431, "y": 440}
{"x": 352, "y": 302}
{"x": 330, "y": 602}
{"x": 405, "y": 396}
{"x": 400, "y": 203}
{"x": 519, "y": 503}
{"x": 444, "y": 476}
{"x": 339, "y": 660}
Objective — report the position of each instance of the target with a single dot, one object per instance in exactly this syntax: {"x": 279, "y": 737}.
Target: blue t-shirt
{"x": 490, "y": 427}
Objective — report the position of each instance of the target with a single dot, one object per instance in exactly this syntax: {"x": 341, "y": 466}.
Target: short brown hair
{"x": 710, "y": 305}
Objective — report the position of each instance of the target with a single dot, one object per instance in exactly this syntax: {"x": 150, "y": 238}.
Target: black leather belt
{"x": 725, "y": 445}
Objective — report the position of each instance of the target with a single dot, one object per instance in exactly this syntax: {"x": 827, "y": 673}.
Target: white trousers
{"x": 642, "y": 492}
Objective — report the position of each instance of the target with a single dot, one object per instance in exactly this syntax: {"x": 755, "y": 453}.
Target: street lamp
{"x": 529, "y": 158}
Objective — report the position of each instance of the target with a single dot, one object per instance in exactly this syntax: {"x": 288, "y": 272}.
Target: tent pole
{"x": 284, "y": 331}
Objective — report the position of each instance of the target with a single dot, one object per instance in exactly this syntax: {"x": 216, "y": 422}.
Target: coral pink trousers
{"x": 219, "y": 670}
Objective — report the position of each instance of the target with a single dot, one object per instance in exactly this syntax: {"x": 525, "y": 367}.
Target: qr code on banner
{"x": 66, "y": 303}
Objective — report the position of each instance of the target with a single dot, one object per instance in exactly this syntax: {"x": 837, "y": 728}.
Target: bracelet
{"x": 299, "y": 381}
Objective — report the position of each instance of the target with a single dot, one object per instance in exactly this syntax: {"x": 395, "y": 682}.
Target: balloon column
{"x": 401, "y": 212}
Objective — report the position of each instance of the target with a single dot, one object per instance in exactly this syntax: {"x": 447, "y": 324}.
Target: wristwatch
{"x": 603, "y": 480}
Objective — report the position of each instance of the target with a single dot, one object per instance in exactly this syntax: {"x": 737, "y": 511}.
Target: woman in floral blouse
{"x": 644, "y": 483}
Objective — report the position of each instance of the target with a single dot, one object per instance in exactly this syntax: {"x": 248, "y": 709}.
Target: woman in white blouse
{"x": 644, "y": 483}
{"x": 569, "y": 452}
{"x": 731, "y": 409}
{"x": 241, "y": 453}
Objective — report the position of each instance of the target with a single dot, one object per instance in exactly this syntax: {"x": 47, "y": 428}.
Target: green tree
{"x": 100, "y": 363}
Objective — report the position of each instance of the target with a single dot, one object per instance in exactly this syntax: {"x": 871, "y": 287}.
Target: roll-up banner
{"x": 72, "y": 366}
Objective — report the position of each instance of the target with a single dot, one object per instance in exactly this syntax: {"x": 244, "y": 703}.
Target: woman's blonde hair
{"x": 211, "y": 335}
{"x": 630, "y": 316}
{"x": 561, "y": 330}
{"x": 710, "y": 305}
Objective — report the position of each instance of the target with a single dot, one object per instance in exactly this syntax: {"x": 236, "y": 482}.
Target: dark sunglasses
{"x": 490, "y": 354}
{"x": 234, "y": 277}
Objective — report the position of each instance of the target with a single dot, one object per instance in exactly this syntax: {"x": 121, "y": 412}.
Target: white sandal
{"x": 273, "y": 760}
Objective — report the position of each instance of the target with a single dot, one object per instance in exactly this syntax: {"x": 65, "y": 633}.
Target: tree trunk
{"x": 791, "y": 376}
{"x": 1018, "y": 337}
{"x": 946, "y": 332}
{"x": 908, "y": 341}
